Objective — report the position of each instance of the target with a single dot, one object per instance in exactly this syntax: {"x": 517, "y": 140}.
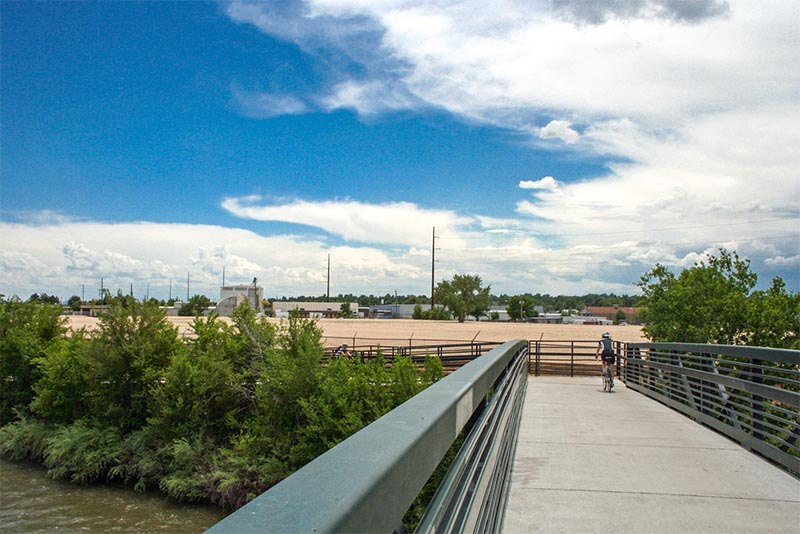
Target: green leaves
{"x": 464, "y": 296}
{"x": 716, "y": 303}
{"x": 222, "y": 416}
{"x": 27, "y": 330}
{"x": 521, "y": 307}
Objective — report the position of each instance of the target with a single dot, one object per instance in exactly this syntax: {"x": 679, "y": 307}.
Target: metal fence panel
{"x": 750, "y": 394}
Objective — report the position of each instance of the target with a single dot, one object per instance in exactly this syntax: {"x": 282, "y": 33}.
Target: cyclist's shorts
{"x": 609, "y": 359}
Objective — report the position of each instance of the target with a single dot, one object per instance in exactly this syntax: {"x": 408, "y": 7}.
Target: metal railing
{"x": 750, "y": 394}
{"x": 452, "y": 355}
{"x": 368, "y": 482}
{"x": 566, "y": 358}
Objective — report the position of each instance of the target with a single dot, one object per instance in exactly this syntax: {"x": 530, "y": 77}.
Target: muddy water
{"x": 31, "y": 502}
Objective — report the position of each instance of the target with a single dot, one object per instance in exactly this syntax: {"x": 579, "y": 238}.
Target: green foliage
{"x": 130, "y": 352}
{"x": 345, "y": 311}
{"x": 219, "y": 417}
{"x": 25, "y": 439}
{"x": 196, "y": 306}
{"x": 74, "y": 303}
{"x": 65, "y": 389}
{"x": 521, "y": 307}
{"x": 434, "y": 314}
{"x": 27, "y": 329}
{"x": 715, "y": 303}
{"x": 774, "y": 317}
{"x": 433, "y": 370}
{"x": 82, "y": 453}
{"x": 463, "y": 296}
{"x": 350, "y": 396}
{"x": 44, "y": 298}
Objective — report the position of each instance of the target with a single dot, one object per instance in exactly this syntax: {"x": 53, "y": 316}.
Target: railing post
{"x": 571, "y": 358}
{"x": 757, "y": 411}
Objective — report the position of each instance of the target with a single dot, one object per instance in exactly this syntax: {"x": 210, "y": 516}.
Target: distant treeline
{"x": 218, "y": 418}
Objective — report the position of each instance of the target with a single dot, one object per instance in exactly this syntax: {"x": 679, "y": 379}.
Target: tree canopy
{"x": 521, "y": 307}
{"x": 716, "y": 302}
{"x": 196, "y": 306}
{"x": 464, "y": 296}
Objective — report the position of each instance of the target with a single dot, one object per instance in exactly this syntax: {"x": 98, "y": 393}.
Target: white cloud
{"x": 559, "y": 130}
{"x": 64, "y": 259}
{"x": 548, "y": 183}
{"x": 397, "y": 223}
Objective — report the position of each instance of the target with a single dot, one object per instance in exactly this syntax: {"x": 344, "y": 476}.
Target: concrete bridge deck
{"x": 590, "y": 461}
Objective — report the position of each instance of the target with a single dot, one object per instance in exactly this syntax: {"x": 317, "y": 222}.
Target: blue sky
{"x": 558, "y": 147}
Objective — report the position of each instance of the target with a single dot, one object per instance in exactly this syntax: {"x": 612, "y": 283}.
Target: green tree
{"x": 521, "y": 307}
{"x": 345, "y": 311}
{"x": 74, "y": 303}
{"x": 620, "y": 317}
{"x": 774, "y": 317}
{"x": 27, "y": 330}
{"x": 715, "y": 302}
{"x": 464, "y": 296}
{"x": 64, "y": 392}
{"x": 130, "y": 351}
{"x": 196, "y": 306}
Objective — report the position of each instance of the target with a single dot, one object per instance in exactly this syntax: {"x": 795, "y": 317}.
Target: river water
{"x": 31, "y": 502}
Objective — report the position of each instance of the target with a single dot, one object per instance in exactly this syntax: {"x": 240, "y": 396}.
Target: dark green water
{"x": 31, "y": 502}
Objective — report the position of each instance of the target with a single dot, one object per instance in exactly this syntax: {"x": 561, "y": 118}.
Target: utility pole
{"x": 328, "y": 292}
{"x": 187, "y": 287}
{"x": 433, "y": 263}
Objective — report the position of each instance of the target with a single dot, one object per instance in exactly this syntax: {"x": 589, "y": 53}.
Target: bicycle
{"x": 608, "y": 377}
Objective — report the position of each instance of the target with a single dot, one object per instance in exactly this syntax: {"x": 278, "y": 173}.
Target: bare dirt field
{"x": 400, "y": 331}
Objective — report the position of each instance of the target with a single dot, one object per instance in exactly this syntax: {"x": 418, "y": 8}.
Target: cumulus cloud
{"x": 559, "y": 130}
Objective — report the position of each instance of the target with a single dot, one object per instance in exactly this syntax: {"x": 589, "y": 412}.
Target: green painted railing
{"x": 368, "y": 482}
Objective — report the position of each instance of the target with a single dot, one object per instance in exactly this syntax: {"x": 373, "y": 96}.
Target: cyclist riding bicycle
{"x": 605, "y": 349}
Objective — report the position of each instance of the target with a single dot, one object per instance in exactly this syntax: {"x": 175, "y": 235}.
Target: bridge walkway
{"x": 590, "y": 461}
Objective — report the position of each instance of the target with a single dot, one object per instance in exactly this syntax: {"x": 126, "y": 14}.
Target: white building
{"x": 232, "y": 296}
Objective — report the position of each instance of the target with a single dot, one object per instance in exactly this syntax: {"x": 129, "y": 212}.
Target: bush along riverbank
{"x": 219, "y": 418}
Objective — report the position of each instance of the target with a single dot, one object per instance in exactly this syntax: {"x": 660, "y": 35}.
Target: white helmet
{"x": 606, "y": 335}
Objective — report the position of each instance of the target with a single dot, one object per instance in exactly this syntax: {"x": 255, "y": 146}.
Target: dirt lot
{"x": 400, "y": 331}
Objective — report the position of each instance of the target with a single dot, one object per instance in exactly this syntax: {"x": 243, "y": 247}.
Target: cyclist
{"x": 605, "y": 349}
{"x": 341, "y": 351}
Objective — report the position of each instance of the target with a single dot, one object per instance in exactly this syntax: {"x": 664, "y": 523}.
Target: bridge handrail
{"x": 750, "y": 394}
{"x": 367, "y": 482}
